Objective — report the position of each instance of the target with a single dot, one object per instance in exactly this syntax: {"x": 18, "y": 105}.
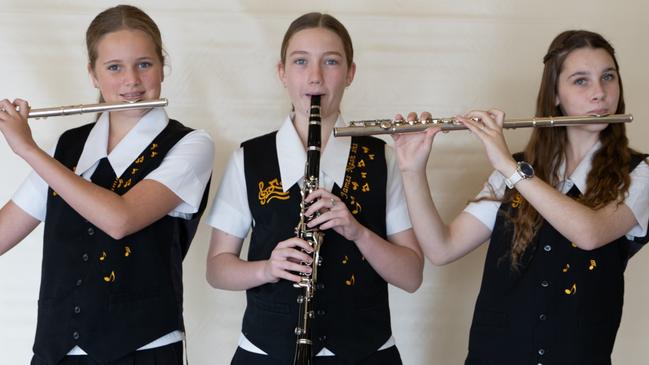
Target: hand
{"x": 413, "y": 149}
{"x": 333, "y": 214}
{"x": 286, "y": 260}
{"x": 488, "y": 126}
{"x": 14, "y": 126}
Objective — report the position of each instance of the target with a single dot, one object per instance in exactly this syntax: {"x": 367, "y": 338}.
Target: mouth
{"x": 132, "y": 96}
{"x": 601, "y": 111}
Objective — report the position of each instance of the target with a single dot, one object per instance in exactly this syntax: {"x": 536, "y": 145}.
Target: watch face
{"x": 526, "y": 169}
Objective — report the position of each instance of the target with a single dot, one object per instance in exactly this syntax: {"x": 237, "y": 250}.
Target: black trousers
{"x": 171, "y": 354}
{"x": 389, "y": 356}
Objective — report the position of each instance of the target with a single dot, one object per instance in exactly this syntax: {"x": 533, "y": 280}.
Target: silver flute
{"x": 95, "y": 108}
{"x": 391, "y": 126}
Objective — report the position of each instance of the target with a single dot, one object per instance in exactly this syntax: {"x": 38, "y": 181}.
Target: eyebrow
{"x": 584, "y": 73}
{"x": 146, "y": 58}
{"x": 328, "y": 53}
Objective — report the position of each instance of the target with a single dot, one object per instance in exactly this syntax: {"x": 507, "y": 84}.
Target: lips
{"x": 601, "y": 111}
{"x": 133, "y": 96}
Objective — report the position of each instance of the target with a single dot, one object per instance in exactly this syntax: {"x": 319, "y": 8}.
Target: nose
{"x": 598, "y": 91}
{"x": 315, "y": 74}
{"x": 132, "y": 77}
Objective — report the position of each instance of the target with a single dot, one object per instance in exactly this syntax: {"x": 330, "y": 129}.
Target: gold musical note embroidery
{"x": 364, "y": 175}
{"x": 103, "y": 256}
{"x": 566, "y": 268}
{"x": 366, "y": 188}
{"x": 365, "y": 149}
{"x": 154, "y": 154}
{"x": 134, "y": 170}
{"x": 354, "y": 185}
{"x": 361, "y": 163}
{"x": 153, "y": 146}
{"x": 593, "y": 265}
{"x": 273, "y": 191}
{"x": 139, "y": 160}
{"x": 345, "y": 260}
{"x": 572, "y": 290}
{"x": 127, "y": 251}
{"x": 110, "y": 278}
{"x": 351, "y": 281}
{"x": 371, "y": 156}
{"x": 54, "y": 193}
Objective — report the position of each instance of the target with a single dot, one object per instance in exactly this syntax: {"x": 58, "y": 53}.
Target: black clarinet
{"x": 313, "y": 236}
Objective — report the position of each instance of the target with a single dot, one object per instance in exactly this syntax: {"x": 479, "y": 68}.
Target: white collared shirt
{"x": 230, "y": 212}
{"x": 185, "y": 170}
{"x": 637, "y": 198}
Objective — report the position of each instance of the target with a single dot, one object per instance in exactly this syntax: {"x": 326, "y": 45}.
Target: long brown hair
{"x": 608, "y": 179}
{"x": 117, "y": 18}
{"x": 319, "y": 20}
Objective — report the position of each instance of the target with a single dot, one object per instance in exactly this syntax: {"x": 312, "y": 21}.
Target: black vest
{"x": 563, "y": 306}
{"x": 110, "y": 296}
{"x": 351, "y": 303}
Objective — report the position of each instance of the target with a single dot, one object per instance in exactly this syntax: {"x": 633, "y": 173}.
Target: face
{"x": 316, "y": 65}
{"x": 127, "y": 67}
{"x": 588, "y": 84}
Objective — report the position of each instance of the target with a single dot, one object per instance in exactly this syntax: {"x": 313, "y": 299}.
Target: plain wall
{"x": 446, "y": 57}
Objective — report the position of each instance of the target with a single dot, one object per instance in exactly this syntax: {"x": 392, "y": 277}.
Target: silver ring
{"x": 333, "y": 202}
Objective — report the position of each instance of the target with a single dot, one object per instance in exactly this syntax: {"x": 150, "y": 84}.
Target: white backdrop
{"x": 443, "y": 56}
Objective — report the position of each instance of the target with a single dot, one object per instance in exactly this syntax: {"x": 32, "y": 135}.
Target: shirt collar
{"x": 579, "y": 176}
{"x": 128, "y": 149}
{"x": 292, "y": 156}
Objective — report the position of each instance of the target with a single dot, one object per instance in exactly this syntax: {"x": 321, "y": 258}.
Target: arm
{"x": 15, "y": 225}
{"x": 116, "y": 215}
{"x": 441, "y": 243}
{"x": 586, "y": 227}
{"x": 225, "y": 270}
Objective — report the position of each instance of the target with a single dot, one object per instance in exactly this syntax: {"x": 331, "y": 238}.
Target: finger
{"x": 398, "y": 116}
{"x": 294, "y": 243}
{"x": 425, "y": 116}
{"x": 498, "y": 115}
{"x": 5, "y": 107}
{"x": 23, "y": 106}
{"x": 473, "y": 125}
{"x": 412, "y": 116}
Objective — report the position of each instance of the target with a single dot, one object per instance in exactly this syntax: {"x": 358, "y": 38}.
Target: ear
{"x": 556, "y": 100}
{"x": 350, "y": 74}
{"x": 281, "y": 73}
{"x": 93, "y": 77}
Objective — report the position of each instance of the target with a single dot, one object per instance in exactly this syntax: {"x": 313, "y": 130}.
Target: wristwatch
{"x": 523, "y": 171}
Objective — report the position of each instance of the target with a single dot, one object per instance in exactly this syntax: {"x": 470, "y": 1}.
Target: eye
{"x": 299, "y": 61}
{"x": 609, "y": 76}
{"x": 580, "y": 81}
{"x": 331, "y": 62}
{"x": 144, "y": 65}
{"x": 113, "y": 67}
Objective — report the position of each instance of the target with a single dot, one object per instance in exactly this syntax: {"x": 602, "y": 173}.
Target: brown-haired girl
{"x": 121, "y": 199}
{"x": 368, "y": 239}
{"x": 563, "y": 217}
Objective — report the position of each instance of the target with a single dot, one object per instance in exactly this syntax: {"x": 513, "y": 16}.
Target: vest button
{"x": 320, "y": 312}
{"x": 77, "y": 309}
{"x": 543, "y": 317}
{"x": 547, "y": 248}
{"x": 322, "y": 338}
{"x": 84, "y": 257}
{"x": 91, "y": 231}
{"x": 545, "y": 284}
{"x": 75, "y": 335}
{"x": 79, "y": 282}
{"x": 541, "y": 352}
{"x": 320, "y": 286}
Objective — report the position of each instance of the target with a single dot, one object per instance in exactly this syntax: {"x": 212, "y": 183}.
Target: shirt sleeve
{"x": 637, "y": 200}
{"x": 230, "y": 211}
{"x": 31, "y": 195}
{"x": 486, "y": 210}
{"x": 396, "y": 210}
{"x": 186, "y": 169}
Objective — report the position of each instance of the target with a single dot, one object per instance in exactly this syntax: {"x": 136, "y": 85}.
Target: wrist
{"x": 522, "y": 171}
